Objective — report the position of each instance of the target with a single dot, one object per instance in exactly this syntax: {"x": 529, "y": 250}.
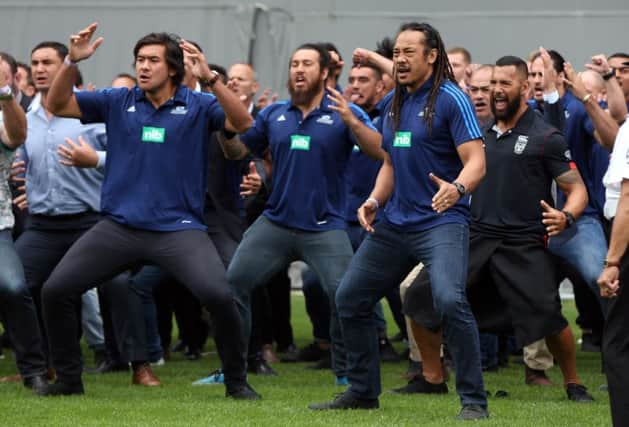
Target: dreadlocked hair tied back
{"x": 442, "y": 71}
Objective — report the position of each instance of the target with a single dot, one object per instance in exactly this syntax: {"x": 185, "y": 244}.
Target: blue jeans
{"x": 584, "y": 247}
{"x": 267, "y": 247}
{"x": 18, "y": 311}
{"x": 383, "y": 260}
{"x": 91, "y": 321}
{"x": 143, "y": 284}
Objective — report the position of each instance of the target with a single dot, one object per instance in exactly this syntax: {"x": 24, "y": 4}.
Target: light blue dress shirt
{"x": 52, "y": 188}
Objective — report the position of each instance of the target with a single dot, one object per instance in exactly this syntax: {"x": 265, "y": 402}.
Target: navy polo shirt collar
{"x": 423, "y": 89}
{"x": 181, "y": 95}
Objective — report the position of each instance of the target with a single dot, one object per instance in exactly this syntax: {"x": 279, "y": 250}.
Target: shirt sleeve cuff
{"x": 102, "y": 159}
{"x": 551, "y": 98}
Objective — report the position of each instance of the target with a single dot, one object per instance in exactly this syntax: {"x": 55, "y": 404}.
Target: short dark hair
{"x": 9, "y": 59}
{"x": 222, "y": 72}
{"x": 619, "y": 55}
{"x": 385, "y": 47}
{"x": 324, "y": 55}
{"x": 60, "y": 48}
{"x": 519, "y": 64}
{"x": 174, "y": 54}
{"x": 558, "y": 60}
{"x": 458, "y": 49}
{"x": 331, "y": 47}
{"x": 376, "y": 70}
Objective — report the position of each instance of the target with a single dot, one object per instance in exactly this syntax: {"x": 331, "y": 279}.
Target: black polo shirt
{"x": 521, "y": 166}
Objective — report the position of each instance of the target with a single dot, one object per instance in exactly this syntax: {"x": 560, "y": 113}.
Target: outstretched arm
{"x": 60, "y": 99}
{"x": 13, "y": 130}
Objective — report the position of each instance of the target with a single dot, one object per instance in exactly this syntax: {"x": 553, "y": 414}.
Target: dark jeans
{"x": 356, "y": 235}
{"x": 110, "y": 248}
{"x": 266, "y": 248}
{"x": 18, "y": 311}
{"x": 383, "y": 260}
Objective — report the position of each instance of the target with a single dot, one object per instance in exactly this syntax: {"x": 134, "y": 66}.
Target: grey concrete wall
{"x": 225, "y": 29}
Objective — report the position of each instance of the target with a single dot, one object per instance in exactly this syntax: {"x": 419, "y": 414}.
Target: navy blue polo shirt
{"x": 309, "y": 162}
{"x": 156, "y": 171}
{"x": 362, "y": 172}
{"x": 415, "y": 153}
{"x": 579, "y": 134}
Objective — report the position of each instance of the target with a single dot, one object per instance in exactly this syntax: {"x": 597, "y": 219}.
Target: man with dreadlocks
{"x": 434, "y": 155}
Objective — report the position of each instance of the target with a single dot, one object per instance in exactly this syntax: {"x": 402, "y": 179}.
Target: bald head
{"x": 242, "y": 80}
{"x": 593, "y": 82}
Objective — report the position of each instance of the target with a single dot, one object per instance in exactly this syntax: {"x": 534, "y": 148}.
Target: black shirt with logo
{"x": 521, "y": 166}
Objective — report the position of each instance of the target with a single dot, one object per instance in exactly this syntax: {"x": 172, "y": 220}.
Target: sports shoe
{"x": 312, "y": 353}
{"x": 346, "y": 401}
{"x": 420, "y": 385}
{"x": 259, "y": 366}
{"x": 215, "y": 377}
{"x": 243, "y": 392}
{"x": 325, "y": 363}
{"x": 578, "y": 393}
{"x": 472, "y": 412}
{"x": 159, "y": 362}
{"x": 387, "y": 352}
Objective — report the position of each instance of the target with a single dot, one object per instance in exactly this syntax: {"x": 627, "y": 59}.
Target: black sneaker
{"x": 346, "y": 401}
{"x": 578, "y": 393}
{"x": 36, "y": 383}
{"x": 325, "y": 363}
{"x": 472, "y": 412}
{"x": 387, "y": 352}
{"x": 60, "y": 388}
{"x": 243, "y": 392}
{"x": 420, "y": 385}
{"x": 312, "y": 353}
{"x": 258, "y": 366}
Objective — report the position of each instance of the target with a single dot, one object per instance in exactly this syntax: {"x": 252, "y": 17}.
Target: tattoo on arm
{"x": 232, "y": 148}
{"x": 569, "y": 178}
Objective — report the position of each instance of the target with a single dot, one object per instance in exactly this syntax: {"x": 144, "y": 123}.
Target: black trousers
{"x": 41, "y": 249}
{"x": 616, "y": 348}
{"x": 110, "y": 248}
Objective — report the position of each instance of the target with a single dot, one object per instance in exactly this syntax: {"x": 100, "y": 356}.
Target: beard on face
{"x": 304, "y": 95}
{"x": 513, "y": 105}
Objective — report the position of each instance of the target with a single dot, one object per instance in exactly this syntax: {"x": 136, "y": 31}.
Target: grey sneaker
{"x": 472, "y": 412}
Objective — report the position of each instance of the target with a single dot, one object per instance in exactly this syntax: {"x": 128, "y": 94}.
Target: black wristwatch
{"x": 570, "y": 220}
{"x": 609, "y": 75}
{"x": 460, "y": 188}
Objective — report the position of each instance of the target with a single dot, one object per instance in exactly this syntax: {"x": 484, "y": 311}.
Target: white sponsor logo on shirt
{"x": 325, "y": 119}
{"x": 520, "y": 144}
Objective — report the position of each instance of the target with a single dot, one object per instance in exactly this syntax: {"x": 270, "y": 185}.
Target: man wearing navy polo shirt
{"x": 311, "y": 139}
{"x": 152, "y": 196}
{"x": 434, "y": 157}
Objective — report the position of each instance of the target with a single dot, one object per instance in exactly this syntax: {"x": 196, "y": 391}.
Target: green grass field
{"x": 111, "y": 400}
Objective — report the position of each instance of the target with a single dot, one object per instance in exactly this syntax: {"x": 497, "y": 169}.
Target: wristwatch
{"x": 609, "y": 75}
{"x": 569, "y": 219}
{"x": 6, "y": 95}
{"x": 210, "y": 82}
{"x": 460, "y": 188}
